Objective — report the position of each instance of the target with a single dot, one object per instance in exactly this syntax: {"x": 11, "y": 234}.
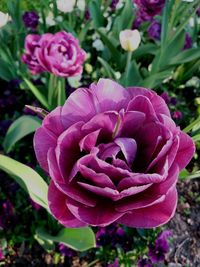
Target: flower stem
{"x": 128, "y": 62}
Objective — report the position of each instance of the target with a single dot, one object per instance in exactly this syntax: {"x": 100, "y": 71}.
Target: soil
{"x": 185, "y": 248}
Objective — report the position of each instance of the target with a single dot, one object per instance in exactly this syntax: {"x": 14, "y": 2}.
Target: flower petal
{"x": 57, "y": 205}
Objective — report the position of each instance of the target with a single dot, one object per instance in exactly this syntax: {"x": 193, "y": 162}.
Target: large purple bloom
{"x": 113, "y": 155}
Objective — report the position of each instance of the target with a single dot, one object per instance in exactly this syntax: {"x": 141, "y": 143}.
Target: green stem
{"x": 61, "y": 92}
{"x": 128, "y": 61}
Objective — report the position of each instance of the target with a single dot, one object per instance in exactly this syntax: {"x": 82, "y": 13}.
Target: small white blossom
{"x": 4, "y": 18}
{"x": 130, "y": 39}
{"x": 66, "y": 6}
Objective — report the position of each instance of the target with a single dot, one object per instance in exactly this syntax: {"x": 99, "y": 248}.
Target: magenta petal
{"x": 157, "y": 102}
{"x": 128, "y": 147}
{"x": 67, "y": 150}
{"x": 89, "y": 141}
{"x": 43, "y": 141}
{"x": 99, "y": 179}
{"x": 62, "y": 214}
{"x": 101, "y": 215}
{"x": 109, "y": 95}
{"x": 53, "y": 122}
{"x": 54, "y": 171}
{"x": 186, "y": 150}
{"x": 78, "y": 107}
{"x": 153, "y": 216}
{"x": 142, "y": 103}
{"x": 132, "y": 121}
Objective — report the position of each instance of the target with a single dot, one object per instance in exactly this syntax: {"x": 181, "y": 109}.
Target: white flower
{"x": 81, "y": 4}
{"x": 50, "y": 19}
{"x": 66, "y": 5}
{"x": 4, "y": 18}
{"x": 130, "y": 39}
{"x": 98, "y": 45}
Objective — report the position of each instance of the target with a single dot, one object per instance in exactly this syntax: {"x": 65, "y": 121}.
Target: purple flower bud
{"x": 198, "y": 12}
{"x": 173, "y": 101}
{"x": 87, "y": 14}
{"x": 154, "y": 30}
{"x": 177, "y": 115}
{"x": 188, "y": 41}
{"x": 30, "y": 19}
{"x": 166, "y": 97}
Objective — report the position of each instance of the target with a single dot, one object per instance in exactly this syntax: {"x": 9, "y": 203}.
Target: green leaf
{"x": 79, "y": 239}
{"x": 155, "y": 79}
{"x": 184, "y": 174}
{"x": 116, "y": 55}
{"x": 186, "y": 56}
{"x": 196, "y": 138}
{"x": 96, "y": 14}
{"x": 144, "y": 50}
{"x": 192, "y": 125}
{"x": 164, "y": 29}
{"x": 27, "y": 178}
{"x": 125, "y": 18}
{"x": 132, "y": 77}
{"x": 108, "y": 69}
{"x": 6, "y": 72}
{"x": 18, "y": 129}
{"x": 37, "y": 93}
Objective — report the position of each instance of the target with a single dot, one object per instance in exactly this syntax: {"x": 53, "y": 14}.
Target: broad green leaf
{"x": 27, "y": 178}
{"x": 18, "y": 129}
{"x": 164, "y": 29}
{"x": 79, "y": 239}
{"x": 37, "y": 93}
{"x": 96, "y": 14}
{"x": 184, "y": 174}
{"x": 144, "y": 50}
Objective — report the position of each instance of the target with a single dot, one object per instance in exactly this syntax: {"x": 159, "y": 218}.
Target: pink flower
{"x": 29, "y": 57}
{"x": 113, "y": 155}
{"x": 58, "y": 53}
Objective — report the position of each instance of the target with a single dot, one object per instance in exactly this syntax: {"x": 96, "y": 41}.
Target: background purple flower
{"x": 31, "y": 19}
{"x": 166, "y": 97}
{"x": 158, "y": 251}
{"x": 154, "y": 30}
{"x": 150, "y": 7}
{"x": 188, "y": 41}
{"x": 114, "y": 264}
{"x": 177, "y": 115}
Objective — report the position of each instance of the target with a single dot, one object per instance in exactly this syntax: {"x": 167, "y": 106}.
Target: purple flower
{"x": 31, "y": 19}
{"x": 35, "y": 205}
{"x": 188, "y": 41}
{"x": 30, "y": 55}
{"x": 177, "y": 115}
{"x": 150, "y": 7}
{"x": 157, "y": 252}
{"x": 154, "y": 30}
{"x": 87, "y": 14}
{"x": 6, "y": 213}
{"x": 65, "y": 251}
{"x": 113, "y": 155}
{"x": 114, "y": 4}
{"x": 144, "y": 263}
{"x": 166, "y": 97}
{"x": 58, "y": 53}
{"x": 114, "y": 264}
{"x": 173, "y": 101}
{"x": 1, "y": 254}
{"x": 198, "y": 12}
{"x": 141, "y": 17}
